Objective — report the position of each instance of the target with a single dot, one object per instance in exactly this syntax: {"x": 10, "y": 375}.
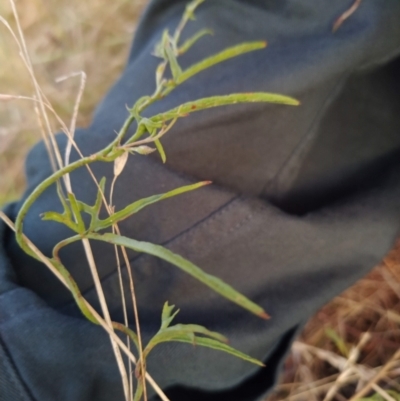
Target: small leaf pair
{"x": 193, "y": 334}
{"x": 72, "y": 215}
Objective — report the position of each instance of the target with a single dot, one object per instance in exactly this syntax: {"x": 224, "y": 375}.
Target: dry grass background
{"x": 65, "y": 36}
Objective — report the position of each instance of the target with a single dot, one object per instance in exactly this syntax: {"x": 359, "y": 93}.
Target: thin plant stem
{"x": 136, "y": 314}
{"x": 380, "y": 375}
{"x": 115, "y": 228}
{"x": 106, "y": 313}
{"x": 73, "y": 123}
{"x": 25, "y": 56}
{"x": 124, "y": 311}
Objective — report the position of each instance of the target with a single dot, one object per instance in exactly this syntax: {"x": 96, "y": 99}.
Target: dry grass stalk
{"x": 41, "y": 111}
{"x": 373, "y": 306}
{"x": 54, "y": 155}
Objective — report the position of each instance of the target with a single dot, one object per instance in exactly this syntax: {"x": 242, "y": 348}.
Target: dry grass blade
{"x": 348, "y": 369}
{"x": 383, "y": 393}
{"x": 347, "y": 14}
{"x": 106, "y": 313}
{"x": 125, "y": 315}
{"x": 72, "y": 127}
{"x": 54, "y": 151}
{"x": 119, "y": 165}
{"x": 62, "y": 37}
{"x": 372, "y": 305}
{"x": 43, "y": 104}
{"x": 379, "y": 376}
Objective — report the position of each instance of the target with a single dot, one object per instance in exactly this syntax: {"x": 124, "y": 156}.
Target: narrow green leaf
{"x": 159, "y": 49}
{"x": 226, "y": 54}
{"x": 195, "y": 328}
{"x": 379, "y": 397}
{"x": 99, "y": 197}
{"x": 338, "y": 341}
{"x": 216, "y": 101}
{"x": 187, "y": 15}
{"x": 84, "y": 207}
{"x": 167, "y": 316}
{"x": 93, "y": 211}
{"x": 73, "y": 286}
{"x": 150, "y": 125}
{"x": 138, "y": 391}
{"x": 139, "y": 104}
{"x": 142, "y": 203}
{"x": 165, "y": 336}
{"x": 211, "y": 281}
{"x": 394, "y": 394}
{"x": 210, "y": 343}
{"x": 161, "y": 150}
{"x": 160, "y": 73}
{"x": 77, "y": 212}
{"x": 190, "y": 9}
{"x": 173, "y": 63}
{"x": 126, "y": 330}
{"x": 60, "y": 218}
{"x": 63, "y": 201}
{"x": 192, "y": 40}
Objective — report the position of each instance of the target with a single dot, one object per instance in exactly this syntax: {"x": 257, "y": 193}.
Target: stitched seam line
{"x": 304, "y": 137}
{"x": 206, "y": 220}
{"x": 14, "y": 374}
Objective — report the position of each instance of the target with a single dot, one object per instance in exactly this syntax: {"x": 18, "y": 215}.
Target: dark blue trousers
{"x": 304, "y": 202}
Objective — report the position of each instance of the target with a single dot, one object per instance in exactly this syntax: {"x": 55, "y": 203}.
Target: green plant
{"x": 150, "y": 130}
{"x": 379, "y": 397}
